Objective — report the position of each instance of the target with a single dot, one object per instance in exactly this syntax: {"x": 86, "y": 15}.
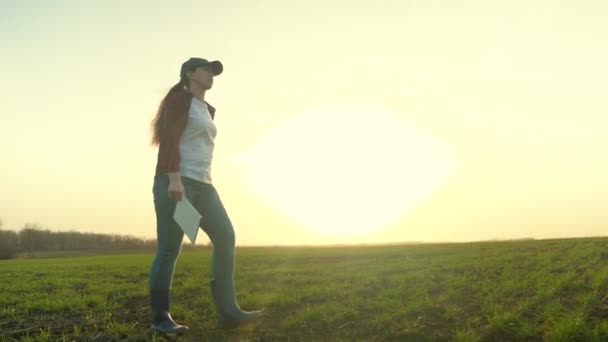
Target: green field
{"x": 554, "y": 290}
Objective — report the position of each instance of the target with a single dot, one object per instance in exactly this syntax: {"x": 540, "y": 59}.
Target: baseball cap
{"x": 195, "y": 62}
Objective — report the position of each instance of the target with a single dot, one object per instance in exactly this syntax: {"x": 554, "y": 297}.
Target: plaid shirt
{"x": 175, "y": 119}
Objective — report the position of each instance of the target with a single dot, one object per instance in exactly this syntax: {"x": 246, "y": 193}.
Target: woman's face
{"x": 202, "y": 76}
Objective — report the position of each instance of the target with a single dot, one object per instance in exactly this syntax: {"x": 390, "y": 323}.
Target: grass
{"x": 553, "y": 290}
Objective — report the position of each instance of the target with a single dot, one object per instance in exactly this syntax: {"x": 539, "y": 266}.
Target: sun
{"x": 346, "y": 168}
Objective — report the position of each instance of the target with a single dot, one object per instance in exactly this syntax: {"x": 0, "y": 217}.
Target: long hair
{"x": 157, "y": 122}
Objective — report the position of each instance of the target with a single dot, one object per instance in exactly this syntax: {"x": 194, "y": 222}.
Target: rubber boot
{"x": 161, "y": 319}
{"x": 229, "y": 314}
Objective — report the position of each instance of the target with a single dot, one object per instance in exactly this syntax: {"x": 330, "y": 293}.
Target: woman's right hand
{"x": 176, "y": 190}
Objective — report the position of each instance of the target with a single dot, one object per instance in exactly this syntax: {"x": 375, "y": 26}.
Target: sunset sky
{"x": 338, "y": 122}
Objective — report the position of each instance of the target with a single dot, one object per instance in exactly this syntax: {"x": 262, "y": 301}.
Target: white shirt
{"x": 197, "y": 143}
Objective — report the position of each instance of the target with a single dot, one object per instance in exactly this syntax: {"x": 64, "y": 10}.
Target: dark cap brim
{"x": 217, "y": 67}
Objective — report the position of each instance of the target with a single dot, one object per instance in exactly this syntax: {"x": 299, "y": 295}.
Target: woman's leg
{"x": 168, "y": 247}
{"x": 216, "y": 223}
{"x": 169, "y": 237}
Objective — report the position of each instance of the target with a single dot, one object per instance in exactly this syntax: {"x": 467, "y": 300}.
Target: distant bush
{"x": 33, "y": 238}
{"x": 9, "y": 244}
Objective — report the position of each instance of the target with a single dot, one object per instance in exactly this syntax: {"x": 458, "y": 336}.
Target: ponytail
{"x": 157, "y": 122}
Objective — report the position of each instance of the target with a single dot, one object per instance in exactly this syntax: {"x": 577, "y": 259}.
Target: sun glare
{"x": 346, "y": 168}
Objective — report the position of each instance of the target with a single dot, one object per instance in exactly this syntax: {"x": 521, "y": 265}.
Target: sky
{"x": 339, "y": 122}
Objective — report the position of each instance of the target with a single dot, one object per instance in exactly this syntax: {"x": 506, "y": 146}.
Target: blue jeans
{"x": 215, "y": 222}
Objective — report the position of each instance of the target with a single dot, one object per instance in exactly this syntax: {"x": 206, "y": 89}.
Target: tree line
{"x": 33, "y": 238}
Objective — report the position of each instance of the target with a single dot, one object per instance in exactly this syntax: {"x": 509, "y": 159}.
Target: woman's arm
{"x": 175, "y": 120}
{"x": 174, "y": 123}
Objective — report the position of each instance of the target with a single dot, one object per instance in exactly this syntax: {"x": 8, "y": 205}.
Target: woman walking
{"x": 184, "y": 131}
